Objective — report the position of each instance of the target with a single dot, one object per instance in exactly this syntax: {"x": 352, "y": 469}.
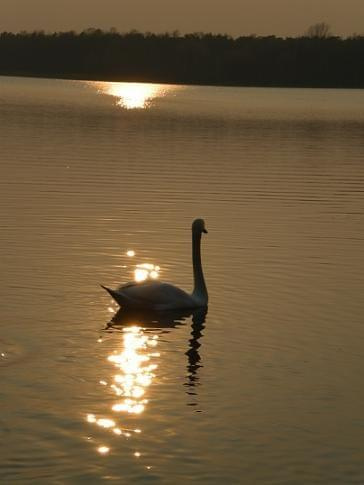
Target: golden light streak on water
{"x": 146, "y": 270}
{"x": 105, "y": 423}
{"x": 134, "y": 95}
{"x": 140, "y": 274}
{"x": 135, "y": 370}
{"x": 103, "y": 450}
{"x": 135, "y": 366}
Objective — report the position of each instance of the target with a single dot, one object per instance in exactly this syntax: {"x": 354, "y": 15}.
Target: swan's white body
{"x": 154, "y": 295}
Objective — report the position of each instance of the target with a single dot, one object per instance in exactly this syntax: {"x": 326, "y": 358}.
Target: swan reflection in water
{"x": 136, "y": 364}
{"x": 156, "y": 322}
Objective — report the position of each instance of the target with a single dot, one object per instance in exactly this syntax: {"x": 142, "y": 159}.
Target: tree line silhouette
{"x": 311, "y": 60}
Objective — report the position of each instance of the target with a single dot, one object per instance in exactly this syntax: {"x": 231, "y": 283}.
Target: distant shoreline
{"x": 192, "y": 59}
{"x": 66, "y": 78}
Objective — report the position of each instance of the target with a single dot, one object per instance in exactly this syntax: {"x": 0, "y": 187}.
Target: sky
{"x": 234, "y": 17}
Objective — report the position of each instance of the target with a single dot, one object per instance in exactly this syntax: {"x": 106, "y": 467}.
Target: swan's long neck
{"x": 200, "y": 290}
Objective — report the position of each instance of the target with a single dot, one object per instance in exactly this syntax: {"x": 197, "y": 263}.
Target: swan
{"x": 158, "y": 296}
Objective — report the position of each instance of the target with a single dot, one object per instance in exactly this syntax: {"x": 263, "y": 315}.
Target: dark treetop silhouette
{"x": 307, "y": 61}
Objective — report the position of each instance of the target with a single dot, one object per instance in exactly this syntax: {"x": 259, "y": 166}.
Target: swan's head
{"x": 198, "y": 226}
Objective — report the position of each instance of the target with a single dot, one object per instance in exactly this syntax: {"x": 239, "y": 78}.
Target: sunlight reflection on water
{"x": 146, "y": 270}
{"x": 135, "y": 370}
{"x": 135, "y": 95}
{"x": 270, "y": 391}
{"x": 135, "y": 364}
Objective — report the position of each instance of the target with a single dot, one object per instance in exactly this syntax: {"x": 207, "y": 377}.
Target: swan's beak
{"x": 205, "y": 231}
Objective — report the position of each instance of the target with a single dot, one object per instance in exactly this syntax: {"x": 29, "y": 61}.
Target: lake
{"x": 97, "y": 178}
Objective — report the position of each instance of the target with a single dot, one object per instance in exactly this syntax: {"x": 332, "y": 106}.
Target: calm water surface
{"x": 265, "y": 388}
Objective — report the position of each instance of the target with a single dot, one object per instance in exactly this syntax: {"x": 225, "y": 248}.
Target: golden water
{"x": 98, "y": 178}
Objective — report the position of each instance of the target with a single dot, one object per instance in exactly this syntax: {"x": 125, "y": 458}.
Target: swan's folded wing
{"x": 154, "y": 293}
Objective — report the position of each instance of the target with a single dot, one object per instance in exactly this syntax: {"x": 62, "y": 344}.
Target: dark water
{"x": 268, "y": 386}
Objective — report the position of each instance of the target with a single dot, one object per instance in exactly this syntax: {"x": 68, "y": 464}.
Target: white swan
{"x": 154, "y": 295}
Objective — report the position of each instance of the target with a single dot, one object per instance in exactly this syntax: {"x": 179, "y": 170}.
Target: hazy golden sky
{"x": 235, "y": 17}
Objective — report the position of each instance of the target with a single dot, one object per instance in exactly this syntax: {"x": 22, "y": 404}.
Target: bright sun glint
{"x": 134, "y": 95}
{"x": 146, "y": 270}
{"x": 103, "y": 450}
{"x": 135, "y": 365}
{"x": 136, "y": 371}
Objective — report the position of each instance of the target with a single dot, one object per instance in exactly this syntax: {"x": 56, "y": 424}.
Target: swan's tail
{"x": 118, "y": 297}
